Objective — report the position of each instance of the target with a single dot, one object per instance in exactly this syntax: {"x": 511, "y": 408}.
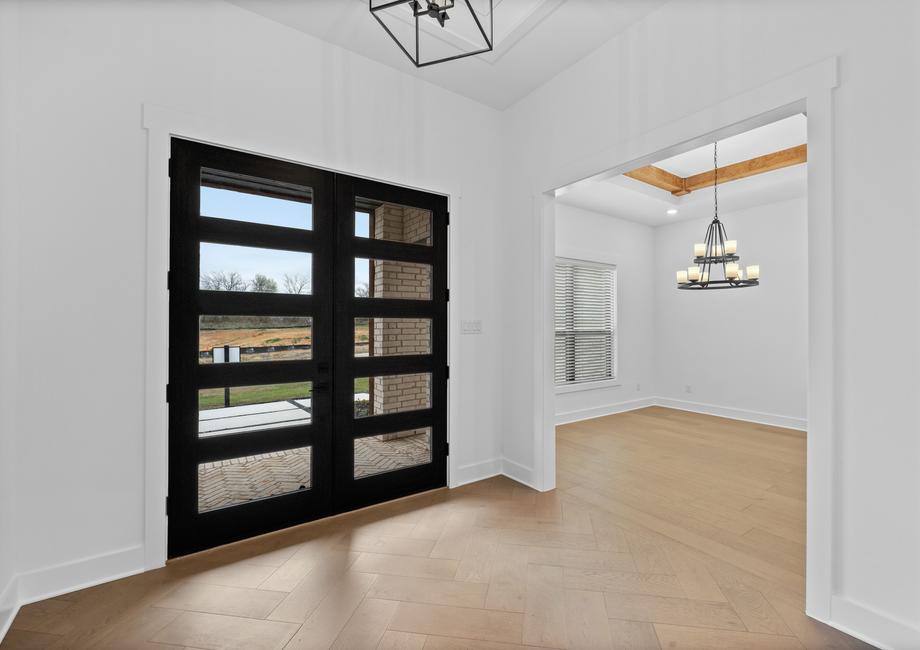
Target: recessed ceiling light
{"x": 672, "y": 211}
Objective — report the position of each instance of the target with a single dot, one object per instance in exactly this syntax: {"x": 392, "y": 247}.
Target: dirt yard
{"x": 255, "y": 338}
{"x": 265, "y": 337}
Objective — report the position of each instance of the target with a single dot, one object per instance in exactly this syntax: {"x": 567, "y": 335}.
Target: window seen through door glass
{"x": 392, "y": 222}
{"x": 387, "y": 337}
{"x": 400, "y": 449}
{"x": 242, "y": 409}
{"x": 225, "y": 338}
{"x": 237, "y": 197}
{"x": 387, "y": 394}
{"x": 256, "y": 270}
{"x": 392, "y": 279}
{"x": 234, "y": 481}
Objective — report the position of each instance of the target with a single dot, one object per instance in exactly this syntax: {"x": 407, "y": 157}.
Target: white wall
{"x": 86, "y": 69}
{"x": 659, "y": 325}
{"x": 9, "y": 55}
{"x": 758, "y": 358}
{"x": 686, "y": 57}
{"x": 581, "y": 234}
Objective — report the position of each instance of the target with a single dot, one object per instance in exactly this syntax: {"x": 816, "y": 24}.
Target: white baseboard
{"x": 871, "y": 626}
{"x": 600, "y": 411}
{"x": 489, "y": 468}
{"x": 9, "y": 605}
{"x": 475, "y": 472}
{"x": 72, "y": 576}
{"x": 6, "y": 620}
{"x": 32, "y": 586}
{"x": 520, "y": 473}
{"x": 783, "y": 421}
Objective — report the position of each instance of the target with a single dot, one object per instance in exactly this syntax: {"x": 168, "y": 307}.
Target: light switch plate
{"x": 471, "y": 327}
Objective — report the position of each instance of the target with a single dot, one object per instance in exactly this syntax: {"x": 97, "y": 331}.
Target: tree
{"x": 297, "y": 283}
{"x": 223, "y": 281}
{"x": 362, "y": 291}
{"x": 264, "y": 284}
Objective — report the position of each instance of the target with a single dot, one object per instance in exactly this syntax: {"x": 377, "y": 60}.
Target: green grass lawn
{"x": 212, "y": 398}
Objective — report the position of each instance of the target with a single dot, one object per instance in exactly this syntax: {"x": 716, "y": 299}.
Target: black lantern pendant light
{"x": 717, "y": 254}
{"x": 436, "y": 9}
{"x": 409, "y": 22}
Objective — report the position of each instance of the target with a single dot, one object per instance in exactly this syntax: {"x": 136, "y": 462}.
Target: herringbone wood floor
{"x": 667, "y": 530}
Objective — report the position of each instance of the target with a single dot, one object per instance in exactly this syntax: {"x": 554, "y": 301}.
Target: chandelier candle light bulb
{"x": 731, "y": 247}
{"x": 693, "y": 273}
{"x": 682, "y": 277}
{"x": 753, "y": 272}
{"x": 699, "y": 250}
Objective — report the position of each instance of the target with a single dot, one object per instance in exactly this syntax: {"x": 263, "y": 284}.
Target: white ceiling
{"x": 776, "y": 136}
{"x": 634, "y": 200}
{"x": 534, "y": 39}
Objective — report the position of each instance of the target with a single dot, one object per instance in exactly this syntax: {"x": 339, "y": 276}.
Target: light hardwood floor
{"x": 667, "y": 530}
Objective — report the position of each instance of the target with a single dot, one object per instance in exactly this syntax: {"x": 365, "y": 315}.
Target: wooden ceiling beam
{"x": 659, "y": 178}
{"x": 761, "y": 164}
{"x": 678, "y": 186}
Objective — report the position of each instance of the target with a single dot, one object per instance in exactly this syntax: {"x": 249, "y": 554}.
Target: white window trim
{"x": 614, "y": 381}
{"x": 577, "y": 387}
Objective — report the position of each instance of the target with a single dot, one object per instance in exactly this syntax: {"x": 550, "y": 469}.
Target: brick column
{"x": 407, "y": 335}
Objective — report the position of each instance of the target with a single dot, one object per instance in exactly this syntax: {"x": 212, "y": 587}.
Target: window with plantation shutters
{"x": 585, "y": 322}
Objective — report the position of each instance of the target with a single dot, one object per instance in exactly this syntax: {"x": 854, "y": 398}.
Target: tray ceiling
{"x": 534, "y": 39}
{"x": 634, "y": 200}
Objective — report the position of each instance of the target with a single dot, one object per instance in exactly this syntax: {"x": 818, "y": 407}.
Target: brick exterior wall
{"x": 402, "y": 223}
{"x": 401, "y": 336}
{"x": 393, "y": 279}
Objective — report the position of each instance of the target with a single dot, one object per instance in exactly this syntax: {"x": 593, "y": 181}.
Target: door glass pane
{"x": 389, "y": 452}
{"x": 392, "y": 222}
{"x": 384, "y": 337}
{"x": 241, "y": 409}
{"x": 256, "y": 270}
{"x": 392, "y": 279}
{"x": 225, "y": 195}
{"x": 392, "y": 394}
{"x": 224, "y": 339}
{"x": 363, "y": 223}
{"x": 234, "y": 481}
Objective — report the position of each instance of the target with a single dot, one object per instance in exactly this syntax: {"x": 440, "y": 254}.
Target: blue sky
{"x": 248, "y": 261}
{"x": 226, "y": 204}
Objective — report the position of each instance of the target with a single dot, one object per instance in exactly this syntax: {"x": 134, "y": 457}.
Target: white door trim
{"x": 161, "y": 124}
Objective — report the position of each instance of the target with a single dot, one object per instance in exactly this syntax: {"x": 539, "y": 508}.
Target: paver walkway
{"x": 238, "y": 480}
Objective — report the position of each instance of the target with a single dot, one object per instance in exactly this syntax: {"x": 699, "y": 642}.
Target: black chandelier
{"x": 420, "y": 28}
{"x": 717, "y": 251}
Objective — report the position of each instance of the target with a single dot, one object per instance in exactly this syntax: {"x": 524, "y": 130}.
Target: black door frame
{"x": 332, "y": 306}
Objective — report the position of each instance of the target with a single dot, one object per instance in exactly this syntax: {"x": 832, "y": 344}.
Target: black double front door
{"x": 307, "y": 344}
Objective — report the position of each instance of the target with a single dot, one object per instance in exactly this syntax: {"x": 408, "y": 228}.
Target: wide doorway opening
{"x": 681, "y": 356}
